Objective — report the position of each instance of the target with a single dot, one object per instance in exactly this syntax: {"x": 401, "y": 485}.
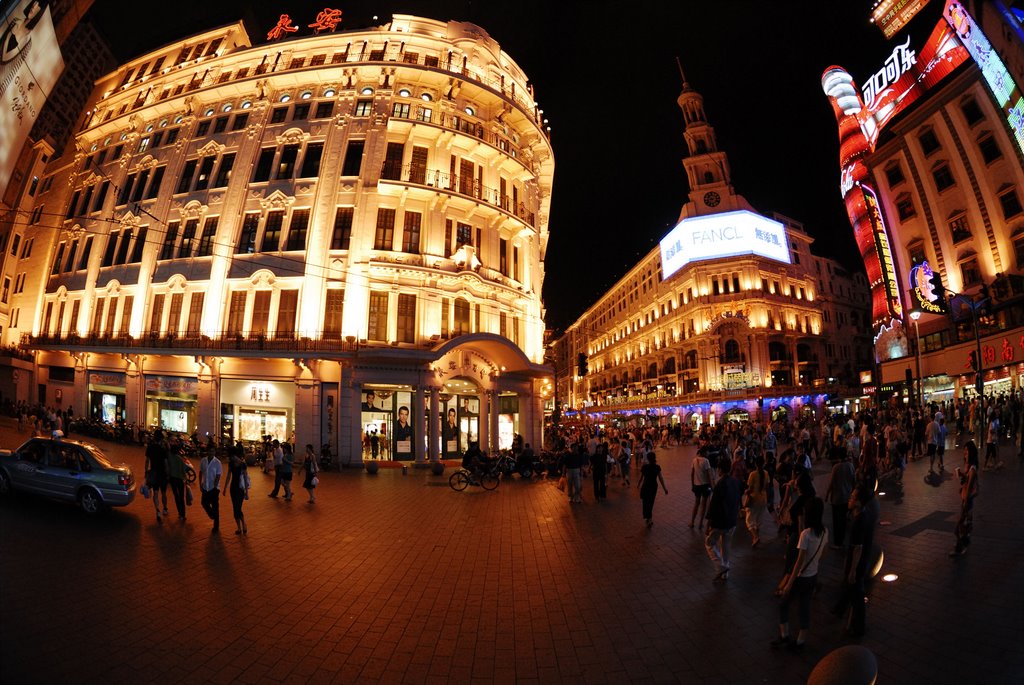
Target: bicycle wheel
{"x": 490, "y": 481}
{"x": 459, "y": 481}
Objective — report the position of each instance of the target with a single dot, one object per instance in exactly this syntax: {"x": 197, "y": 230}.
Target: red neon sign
{"x": 282, "y": 28}
{"x": 328, "y": 19}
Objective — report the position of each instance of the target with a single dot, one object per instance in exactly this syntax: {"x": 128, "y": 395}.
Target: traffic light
{"x": 938, "y": 289}
{"x": 581, "y": 364}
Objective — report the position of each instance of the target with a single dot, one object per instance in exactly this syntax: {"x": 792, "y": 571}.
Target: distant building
{"x": 732, "y": 317}
{"x": 947, "y": 173}
{"x": 318, "y": 237}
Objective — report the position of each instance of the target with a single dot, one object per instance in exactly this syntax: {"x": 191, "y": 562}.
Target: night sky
{"x": 605, "y": 74}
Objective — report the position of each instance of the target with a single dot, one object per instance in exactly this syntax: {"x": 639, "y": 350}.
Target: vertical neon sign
{"x": 997, "y": 77}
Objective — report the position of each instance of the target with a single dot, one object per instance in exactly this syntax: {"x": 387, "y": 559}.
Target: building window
{"x": 205, "y": 169}
{"x": 260, "y": 313}
{"x": 122, "y": 250}
{"x": 905, "y": 207}
{"x": 187, "y": 236}
{"x": 236, "y": 313}
{"x": 286, "y": 163}
{"x": 195, "y": 312}
{"x": 173, "y": 313}
{"x": 989, "y": 148}
{"x": 418, "y": 165}
{"x": 392, "y": 169}
{"x": 503, "y": 256}
{"x": 301, "y": 112}
{"x": 943, "y": 177}
{"x": 461, "y": 326}
{"x": 342, "y": 234}
{"x": 263, "y": 165}
{"x": 377, "y": 317}
{"x": 959, "y": 228}
{"x": 311, "y": 160}
{"x": 463, "y": 235}
{"x": 224, "y": 171}
{"x": 220, "y": 125}
{"x": 400, "y": 110}
{"x": 1010, "y": 203}
{"x": 240, "y": 121}
{"x": 406, "y": 318}
{"x": 137, "y": 248}
{"x": 969, "y": 272}
{"x": 324, "y": 110}
{"x": 363, "y": 108}
{"x": 286, "y": 307}
{"x": 297, "y": 230}
{"x": 916, "y": 252}
{"x": 894, "y": 175}
{"x": 972, "y": 112}
{"x": 384, "y": 237}
{"x": 929, "y": 141}
{"x": 247, "y": 239}
{"x": 1018, "y": 249}
{"x": 185, "y": 180}
{"x": 411, "y": 233}
{"x": 126, "y": 314}
{"x": 353, "y": 158}
{"x": 272, "y": 232}
{"x": 278, "y": 115}
{"x": 170, "y": 238}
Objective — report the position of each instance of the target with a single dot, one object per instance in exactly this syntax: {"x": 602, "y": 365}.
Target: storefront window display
{"x": 106, "y": 396}
{"x": 253, "y": 409}
{"x": 171, "y": 403}
{"x": 387, "y": 424}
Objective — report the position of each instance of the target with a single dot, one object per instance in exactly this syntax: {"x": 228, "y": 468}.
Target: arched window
{"x": 652, "y": 370}
{"x": 669, "y": 366}
{"x": 461, "y": 316}
{"x": 691, "y": 359}
{"x": 803, "y": 353}
{"x": 777, "y": 352}
{"x": 732, "y": 351}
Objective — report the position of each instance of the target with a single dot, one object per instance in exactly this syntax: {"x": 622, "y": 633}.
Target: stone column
{"x": 434, "y": 423}
{"x": 307, "y": 412}
{"x": 493, "y": 415}
{"x": 418, "y": 409}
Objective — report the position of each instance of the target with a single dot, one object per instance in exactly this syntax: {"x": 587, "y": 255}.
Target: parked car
{"x": 69, "y": 470}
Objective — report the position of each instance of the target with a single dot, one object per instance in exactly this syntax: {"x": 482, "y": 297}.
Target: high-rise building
{"x": 732, "y": 317}
{"x": 934, "y": 185}
{"x": 325, "y": 236}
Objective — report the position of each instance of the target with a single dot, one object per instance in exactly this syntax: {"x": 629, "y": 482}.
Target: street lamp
{"x": 915, "y": 315}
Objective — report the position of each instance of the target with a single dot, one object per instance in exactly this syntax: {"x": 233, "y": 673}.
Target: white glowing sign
{"x": 722, "y": 235}
{"x": 30, "y": 63}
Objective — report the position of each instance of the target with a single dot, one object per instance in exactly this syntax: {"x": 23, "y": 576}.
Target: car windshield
{"x": 97, "y": 456}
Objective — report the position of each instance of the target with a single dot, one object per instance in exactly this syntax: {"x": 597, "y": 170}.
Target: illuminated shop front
{"x": 171, "y": 403}
{"x": 106, "y": 396}
{"x": 252, "y": 409}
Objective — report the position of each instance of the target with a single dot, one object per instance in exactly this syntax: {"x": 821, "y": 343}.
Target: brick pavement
{"x": 396, "y": 578}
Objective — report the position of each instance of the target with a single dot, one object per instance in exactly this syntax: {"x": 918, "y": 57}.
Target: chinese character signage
{"x": 892, "y": 15}
{"x": 326, "y": 20}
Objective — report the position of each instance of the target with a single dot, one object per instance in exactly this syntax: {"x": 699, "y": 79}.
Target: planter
{"x": 437, "y": 468}
{"x": 371, "y": 467}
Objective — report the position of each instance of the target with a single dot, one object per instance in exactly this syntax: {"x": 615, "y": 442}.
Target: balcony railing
{"x": 463, "y": 185}
{"x": 188, "y": 342}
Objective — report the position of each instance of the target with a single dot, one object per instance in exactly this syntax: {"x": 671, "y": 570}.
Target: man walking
{"x": 210, "y": 471}
{"x": 723, "y": 511}
{"x": 840, "y": 487}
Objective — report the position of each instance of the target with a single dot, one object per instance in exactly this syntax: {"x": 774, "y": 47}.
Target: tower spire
{"x": 681, "y": 74}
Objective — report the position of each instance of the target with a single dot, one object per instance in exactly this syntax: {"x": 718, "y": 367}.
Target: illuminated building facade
{"x": 730, "y": 309}
{"x": 946, "y": 169}
{"x": 324, "y": 236}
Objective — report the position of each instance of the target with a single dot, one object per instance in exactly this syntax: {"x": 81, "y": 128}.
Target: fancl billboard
{"x": 722, "y": 235}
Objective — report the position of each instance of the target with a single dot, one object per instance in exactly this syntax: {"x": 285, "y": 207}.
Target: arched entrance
{"x": 736, "y": 415}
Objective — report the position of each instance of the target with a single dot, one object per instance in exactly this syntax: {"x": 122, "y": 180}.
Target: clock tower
{"x": 707, "y": 167}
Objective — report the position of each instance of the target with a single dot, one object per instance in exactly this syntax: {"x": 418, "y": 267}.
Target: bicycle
{"x": 462, "y": 478}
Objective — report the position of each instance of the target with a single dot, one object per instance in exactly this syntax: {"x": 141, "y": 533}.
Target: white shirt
{"x": 812, "y": 545}
{"x": 210, "y": 469}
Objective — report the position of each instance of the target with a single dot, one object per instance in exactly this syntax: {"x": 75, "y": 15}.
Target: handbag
{"x": 562, "y": 483}
{"x": 144, "y": 490}
{"x": 315, "y": 482}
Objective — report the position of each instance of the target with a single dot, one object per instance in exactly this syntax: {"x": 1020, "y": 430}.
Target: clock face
{"x": 711, "y": 199}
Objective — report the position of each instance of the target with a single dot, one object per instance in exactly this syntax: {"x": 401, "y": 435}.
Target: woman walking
{"x": 287, "y": 463}
{"x": 311, "y": 468}
{"x": 799, "y": 584}
{"x": 968, "y": 478}
{"x": 650, "y": 476}
{"x": 757, "y": 499}
{"x": 238, "y": 484}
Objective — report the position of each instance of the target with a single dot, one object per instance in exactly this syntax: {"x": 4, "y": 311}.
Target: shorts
{"x": 702, "y": 490}
{"x": 931, "y": 449}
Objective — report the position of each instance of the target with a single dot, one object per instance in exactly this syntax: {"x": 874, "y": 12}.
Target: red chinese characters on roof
{"x": 283, "y": 28}
{"x": 328, "y": 19}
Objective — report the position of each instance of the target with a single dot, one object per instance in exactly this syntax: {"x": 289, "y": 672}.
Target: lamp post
{"x": 915, "y": 315}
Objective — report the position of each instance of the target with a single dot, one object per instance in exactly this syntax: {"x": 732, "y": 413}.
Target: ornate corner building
{"x": 933, "y": 181}
{"x": 731, "y": 317}
{"x": 322, "y": 237}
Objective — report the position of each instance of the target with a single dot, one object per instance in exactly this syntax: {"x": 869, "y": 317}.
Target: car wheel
{"x": 5, "y": 483}
{"x": 90, "y": 501}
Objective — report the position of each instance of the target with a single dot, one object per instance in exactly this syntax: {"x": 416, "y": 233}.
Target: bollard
{"x": 405, "y": 470}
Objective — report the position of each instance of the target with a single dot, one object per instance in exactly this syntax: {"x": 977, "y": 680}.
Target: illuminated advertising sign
{"x": 921, "y": 290}
{"x": 30, "y": 63}
{"x": 999, "y": 81}
{"x": 722, "y": 235}
{"x": 892, "y": 15}
{"x": 884, "y": 251}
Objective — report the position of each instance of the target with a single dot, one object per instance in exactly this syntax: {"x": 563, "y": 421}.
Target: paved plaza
{"x": 396, "y": 578}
